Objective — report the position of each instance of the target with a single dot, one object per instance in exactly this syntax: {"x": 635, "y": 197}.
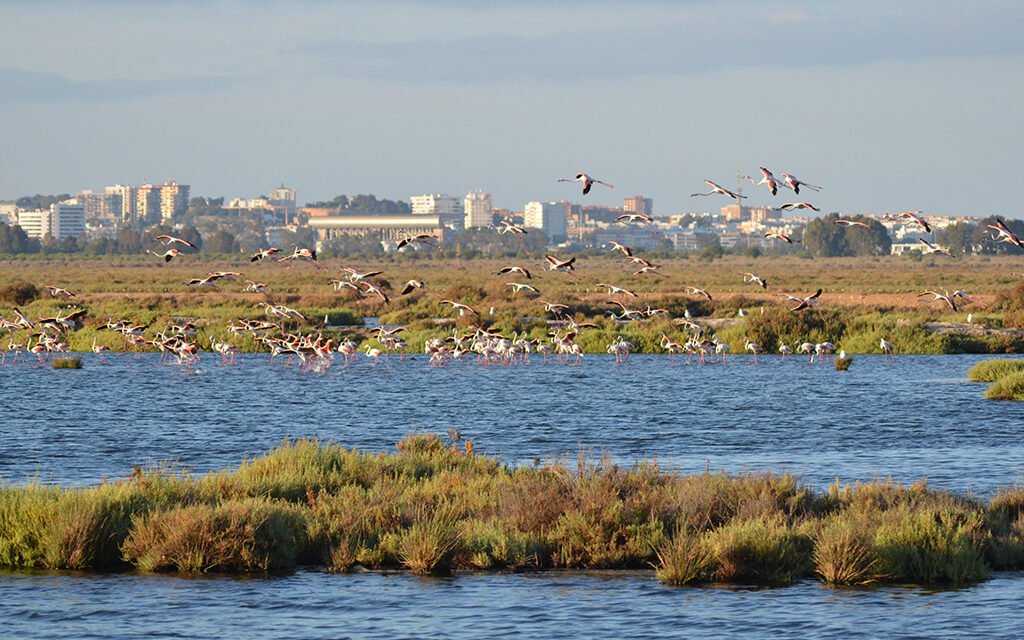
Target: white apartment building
{"x": 548, "y": 217}
{"x": 444, "y": 206}
{"x": 122, "y": 202}
{"x": 63, "y": 220}
{"x": 479, "y": 209}
{"x": 36, "y": 223}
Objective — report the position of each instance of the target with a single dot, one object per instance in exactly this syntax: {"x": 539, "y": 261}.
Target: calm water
{"x": 913, "y": 418}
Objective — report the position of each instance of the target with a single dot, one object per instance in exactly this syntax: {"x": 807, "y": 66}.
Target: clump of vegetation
{"x": 992, "y": 370}
{"x": 73, "y": 362}
{"x": 1008, "y": 387}
{"x": 435, "y": 506}
{"x": 19, "y": 293}
{"x": 843, "y": 363}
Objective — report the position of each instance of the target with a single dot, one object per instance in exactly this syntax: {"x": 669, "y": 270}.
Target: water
{"x": 552, "y": 605}
{"x": 913, "y": 418}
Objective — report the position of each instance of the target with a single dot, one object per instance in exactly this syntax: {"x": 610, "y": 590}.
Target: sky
{"x": 887, "y": 105}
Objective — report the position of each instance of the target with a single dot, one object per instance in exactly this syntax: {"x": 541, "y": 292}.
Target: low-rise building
{"x": 549, "y": 217}
{"x": 479, "y": 209}
{"x": 442, "y": 205}
{"x": 389, "y": 228}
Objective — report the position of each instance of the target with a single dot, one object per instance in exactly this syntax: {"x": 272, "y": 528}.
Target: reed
{"x": 992, "y": 370}
{"x": 73, "y": 362}
{"x": 434, "y": 506}
{"x": 1008, "y": 387}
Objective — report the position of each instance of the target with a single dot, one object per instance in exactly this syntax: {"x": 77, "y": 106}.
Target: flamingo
{"x": 717, "y": 188}
{"x": 626, "y": 251}
{"x": 809, "y": 301}
{"x": 60, "y": 292}
{"x": 508, "y": 227}
{"x": 936, "y": 296}
{"x": 911, "y": 217}
{"x": 519, "y": 286}
{"x": 515, "y": 269}
{"x": 1003, "y": 233}
{"x": 263, "y": 254}
{"x": 778, "y": 235}
{"x": 792, "y": 182}
{"x": 931, "y": 249}
{"x": 755, "y": 279}
{"x": 628, "y": 218}
{"x": 797, "y": 205}
{"x": 843, "y": 222}
{"x": 697, "y": 291}
{"x": 766, "y": 178}
{"x": 425, "y": 238}
{"x": 554, "y": 264}
{"x": 411, "y": 286}
{"x": 463, "y": 308}
{"x": 614, "y": 290}
{"x": 587, "y": 181}
{"x": 752, "y": 347}
{"x": 168, "y": 255}
{"x": 168, "y": 240}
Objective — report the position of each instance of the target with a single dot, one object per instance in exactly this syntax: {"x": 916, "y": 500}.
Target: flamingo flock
{"x": 288, "y": 336}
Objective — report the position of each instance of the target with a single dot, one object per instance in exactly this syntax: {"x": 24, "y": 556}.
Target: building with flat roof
{"x": 479, "y": 209}
{"x": 389, "y": 228}
{"x": 447, "y": 208}
{"x": 548, "y": 217}
{"x": 638, "y": 204}
{"x": 68, "y": 219}
{"x": 125, "y": 196}
{"x": 36, "y": 223}
{"x": 173, "y": 201}
{"x": 8, "y": 213}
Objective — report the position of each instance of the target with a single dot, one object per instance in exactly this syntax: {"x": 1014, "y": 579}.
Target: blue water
{"x": 914, "y": 418}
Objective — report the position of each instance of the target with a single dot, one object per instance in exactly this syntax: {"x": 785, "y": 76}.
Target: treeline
{"x": 14, "y": 240}
{"x": 363, "y": 204}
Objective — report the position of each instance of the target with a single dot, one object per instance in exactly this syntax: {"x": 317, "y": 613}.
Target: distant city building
{"x": 36, "y": 223}
{"x": 739, "y": 213}
{"x": 283, "y": 201}
{"x": 632, "y": 236}
{"x": 68, "y": 219}
{"x": 548, "y": 217}
{"x": 125, "y": 195}
{"x": 147, "y": 204}
{"x": 101, "y": 206}
{"x": 479, "y": 209}
{"x": 387, "y": 228}
{"x": 638, "y": 204}
{"x": 62, "y": 220}
{"x": 173, "y": 201}
{"x": 447, "y": 208}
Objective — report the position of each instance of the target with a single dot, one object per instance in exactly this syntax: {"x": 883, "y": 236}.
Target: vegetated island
{"x": 437, "y": 506}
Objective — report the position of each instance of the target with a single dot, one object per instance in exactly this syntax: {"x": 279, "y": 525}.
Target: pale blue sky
{"x": 889, "y": 106}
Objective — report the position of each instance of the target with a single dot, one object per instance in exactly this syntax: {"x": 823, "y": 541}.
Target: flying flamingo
{"x": 797, "y": 205}
{"x": 1003, "y": 233}
{"x": 168, "y": 240}
{"x": 717, "y": 188}
{"x": 766, "y": 178}
{"x": 587, "y": 181}
{"x": 792, "y": 182}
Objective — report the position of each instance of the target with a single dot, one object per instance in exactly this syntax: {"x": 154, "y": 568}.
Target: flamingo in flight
{"x": 411, "y": 286}
{"x": 792, "y": 182}
{"x": 60, "y": 292}
{"x": 766, "y": 178}
{"x": 515, "y": 269}
{"x": 936, "y": 296}
{"x": 778, "y": 235}
{"x": 797, "y": 205}
{"x": 627, "y": 218}
{"x": 169, "y": 240}
{"x": 843, "y": 222}
{"x": 717, "y": 188}
{"x": 755, "y": 279}
{"x": 168, "y": 255}
{"x": 587, "y": 181}
{"x": 809, "y": 301}
{"x": 1003, "y": 233}
{"x": 263, "y": 254}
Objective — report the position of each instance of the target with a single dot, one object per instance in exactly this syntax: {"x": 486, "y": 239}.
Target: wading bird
{"x": 778, "y": 235}
{"x": 843, "y": 222}
{"x": 263, "y": 254}
{"x": 515, "y": 269}
{"x": 411, "y": 286}
{"x": 936, "y": 296}
{"x": 1003, "y": 233}
{"x": 809, "y": 301}
{"x": 168, "y": 255}
{"x": 755, "y": 279}
{"x": 628, "y": 218}
{"x": 766, "y": 178}
{"x": 60, "y": 292}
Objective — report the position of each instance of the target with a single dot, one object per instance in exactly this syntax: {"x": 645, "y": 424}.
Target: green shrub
{"x": 246, "y": 536}
{"x": 1009, "y": 387}
{"x": 763, "y": 551}
{"x": 992, "y": 370}
{"x": 685, "y": 559}
{"x": 928, "y": 547}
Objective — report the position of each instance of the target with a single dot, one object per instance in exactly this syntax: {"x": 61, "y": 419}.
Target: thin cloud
{"x": 789, "y": 39}
{"x": 34, "y": 86}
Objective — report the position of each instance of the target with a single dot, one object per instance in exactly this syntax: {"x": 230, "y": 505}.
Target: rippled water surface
{"x": 547, "y": 605}
{"x": 913, "y": 418}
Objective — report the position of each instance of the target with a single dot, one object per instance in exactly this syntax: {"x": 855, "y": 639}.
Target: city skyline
{"x": 888, "y": 108}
